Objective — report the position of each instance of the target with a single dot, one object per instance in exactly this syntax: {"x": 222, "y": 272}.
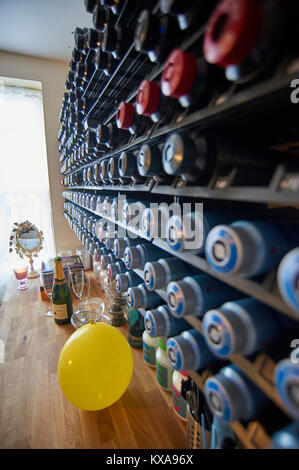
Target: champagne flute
{"x": 77, "y": 280}
{"x": 48, "y": 280}
{"x": 86, "y": 288}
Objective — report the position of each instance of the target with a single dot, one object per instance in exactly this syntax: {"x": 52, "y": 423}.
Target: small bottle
{"x": 154, "y": 221}
{"x": 150, "y": 346}
{"x": 189, "y": 351}
{"x": 249, "y": 248}
{"x": 156, "y": 36}
{"x": 222, "y": 435}
{"x": 140, "y": 297}
{"x": 99, "y": 18}
{"x": 195, "y": 295}
{"x": 132, "y": 213}
{"x": 127, "y": 167}
{"x": 152, "y": 103}
{"x": 116, "y": 268}
{"x": 125, "y": 280}
{"x": 241, "y": 327}
{"x": 109, "y": 237}
{"x": 116, "y": 40}
{"x": 113, "y": 172}
{"x": 126, "y": 118}
{"x": 188, "y": 12}
{"x": 164, "y": 368}
{"x": 158, "y": 274}
{"x": 286, "y": 379}
{"x": 197, "y": 158}
{"x": 107, "y": 259}
{"x": 286, "y": 438}
{"x": 61, "y": 296}
{"x": 245, "y": 38}
{"x": 200, "y": 223}
{"x": 90, "y": 5}
{"x": 96, "y": 264}
{"x": 189, "y": 79}
{"x": 287, "y": 277}
{"x": 120, "y": 244}
{"x": 160, "y": 322}
{"x": 104, "y": 172}
{"x": 136, "y": 256}
{"x": 231, "y": 396}
{"x": 179, "y": 404}
{"x": 149, "y": 162}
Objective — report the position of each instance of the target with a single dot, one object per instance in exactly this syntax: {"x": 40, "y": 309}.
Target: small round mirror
{"x": 27, "y": 241}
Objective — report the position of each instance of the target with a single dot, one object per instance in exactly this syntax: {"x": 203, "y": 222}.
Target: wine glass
{"x": 21, "y": 276}
{"x": 91, "y": 309}
{"x": 77, "y": 280}
{"x": 48, "y": 280}
{"x": 86, "y": 288}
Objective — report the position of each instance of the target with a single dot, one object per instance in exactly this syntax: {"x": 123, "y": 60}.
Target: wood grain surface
{"x": 35, "y": 414}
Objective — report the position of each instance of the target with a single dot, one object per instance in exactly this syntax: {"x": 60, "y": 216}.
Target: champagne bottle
{"x": 61, "y": 296}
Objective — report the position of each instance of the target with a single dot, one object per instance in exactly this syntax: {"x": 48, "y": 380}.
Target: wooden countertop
{"x": 34, "y": 412}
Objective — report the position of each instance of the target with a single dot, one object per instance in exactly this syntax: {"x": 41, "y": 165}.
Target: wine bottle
{"x": 195, "y": 295}
{"x": 61, "y": 296}
{"x": 232, "y": 396}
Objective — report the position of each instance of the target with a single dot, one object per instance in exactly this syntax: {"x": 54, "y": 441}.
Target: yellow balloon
{"x": 95, "y": 366}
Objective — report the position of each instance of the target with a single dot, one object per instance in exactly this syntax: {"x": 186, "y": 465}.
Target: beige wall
{"x": 52, "y": 74}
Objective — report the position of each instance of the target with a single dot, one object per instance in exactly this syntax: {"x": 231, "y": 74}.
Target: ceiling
{"x": 42, "y": 28}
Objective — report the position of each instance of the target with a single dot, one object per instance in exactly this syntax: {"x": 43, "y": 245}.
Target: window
{"x": 24, "y": 182}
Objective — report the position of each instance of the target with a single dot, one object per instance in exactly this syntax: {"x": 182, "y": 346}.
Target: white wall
{"x": 52, "y": 74}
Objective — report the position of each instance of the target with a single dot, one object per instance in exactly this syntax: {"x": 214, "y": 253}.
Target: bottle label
{"x": 60, "y": 311}
{"x": 149, "y": 354}
{"x": 164, "y": 376}
{"x": 179, "y": 403}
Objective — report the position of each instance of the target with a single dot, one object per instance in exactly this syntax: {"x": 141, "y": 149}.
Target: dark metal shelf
{"x": 234, "y": 107}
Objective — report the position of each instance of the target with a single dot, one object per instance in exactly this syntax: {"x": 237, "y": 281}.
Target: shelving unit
{"x": 239, "y": 106}
{"x": 267, "y": 292}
